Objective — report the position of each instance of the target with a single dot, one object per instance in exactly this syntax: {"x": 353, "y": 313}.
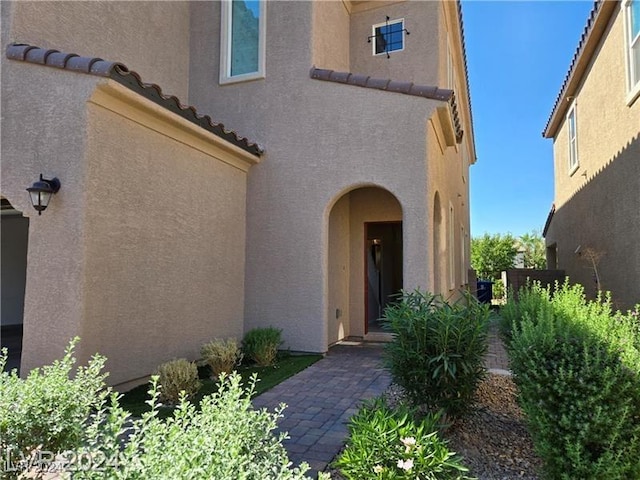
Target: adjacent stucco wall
{"x": 603, "y": 218}
{"x": 164, "y": 243}
{"x": 151, "y": 38}
{"x": 14, "y": 232}
{"x": 416, "y": 62}
{"x": 598, "y": 206}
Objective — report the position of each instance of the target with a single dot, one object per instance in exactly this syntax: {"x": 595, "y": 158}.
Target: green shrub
{"x": 437, "y": 354}
{"x": 177, "y": 377}
{"x": 388, "y": 444}
{"x": 50, "y": 417}
{"x": 221, "y": 355}
{"x": 51, "y": 406}
{"x": 261, "y": 345}
{"x": 577, "y": 367}
{"x": 226, "y": 439}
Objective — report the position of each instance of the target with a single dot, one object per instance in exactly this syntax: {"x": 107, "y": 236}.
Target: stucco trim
{"x": 117, "y": 98}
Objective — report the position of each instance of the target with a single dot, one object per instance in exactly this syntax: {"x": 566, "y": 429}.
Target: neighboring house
{"x": 170, "y": 229}
{"x": 595, "y": 125}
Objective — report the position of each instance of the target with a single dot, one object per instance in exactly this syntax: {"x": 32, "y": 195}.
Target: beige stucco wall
{"x": 141, "y": 252}
{"x": 164, "y": 247}
{"x": 47, "y": 137}
{"x": 330, "y": 35}
{"x": 598, "y": 206}
{"x": 449, "y": 178}
{"x": 151, "y": 38}
{"x": 416, "y": 62}
{"x": 322, "y": 141}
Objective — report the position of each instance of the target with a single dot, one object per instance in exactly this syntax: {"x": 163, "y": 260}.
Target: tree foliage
{"x": 532, "y": 246}
{"x": 491, "y": 254}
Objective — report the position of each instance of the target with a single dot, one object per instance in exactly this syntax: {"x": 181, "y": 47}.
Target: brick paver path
{"x": 321, "y": 398}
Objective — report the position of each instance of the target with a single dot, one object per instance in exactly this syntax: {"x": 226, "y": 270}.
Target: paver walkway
{"x": 321, "y": 399}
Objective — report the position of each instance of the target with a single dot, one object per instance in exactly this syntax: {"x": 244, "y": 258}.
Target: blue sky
{"x": 518, "y": 54}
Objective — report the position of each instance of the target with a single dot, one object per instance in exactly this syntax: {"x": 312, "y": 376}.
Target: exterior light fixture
{"x": 40, "y": 192}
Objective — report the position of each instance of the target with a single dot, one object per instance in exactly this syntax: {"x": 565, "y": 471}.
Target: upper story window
{"x": 388, "y": 37}
{"x": 242, "y": 43}
{"x": 572, "y": 129}
{"x": 632, "y": 42}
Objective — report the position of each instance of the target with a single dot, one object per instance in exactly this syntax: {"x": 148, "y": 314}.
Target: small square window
{"x": 388, "y": 37}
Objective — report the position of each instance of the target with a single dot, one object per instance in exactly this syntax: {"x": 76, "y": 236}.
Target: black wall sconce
{"x": 40, "y": 192}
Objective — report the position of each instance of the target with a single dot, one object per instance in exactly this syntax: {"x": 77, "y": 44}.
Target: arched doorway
{"x": 365, "y": 260}
{"x": 14, "y": 240}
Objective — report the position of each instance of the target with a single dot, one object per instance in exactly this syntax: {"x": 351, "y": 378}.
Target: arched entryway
{"x": 365, "y": 260}
{"x": 14, "y": 240}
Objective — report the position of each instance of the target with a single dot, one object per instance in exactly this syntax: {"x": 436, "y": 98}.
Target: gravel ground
{"x": 493, "y": 439}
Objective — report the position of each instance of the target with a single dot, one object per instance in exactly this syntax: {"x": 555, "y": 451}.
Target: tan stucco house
{"x": 313, "y": 162}
{"x": 594, "y": 225}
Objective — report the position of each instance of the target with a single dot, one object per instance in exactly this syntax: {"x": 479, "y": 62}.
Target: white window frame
{"x": 374, "y": 38}
{"x": 452, "y": 248}
{"x": 572, "y": 139}
{"x": 225, "y": 45}
{"x": 630, "y": 44}
{"x": 464, "y": 271}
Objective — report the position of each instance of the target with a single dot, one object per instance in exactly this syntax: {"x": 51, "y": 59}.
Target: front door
{"x": 383, "y": 270}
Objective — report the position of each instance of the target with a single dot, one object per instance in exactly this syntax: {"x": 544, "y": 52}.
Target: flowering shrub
{"x": 437, "y": 354}
{"x": 389, "y": 444}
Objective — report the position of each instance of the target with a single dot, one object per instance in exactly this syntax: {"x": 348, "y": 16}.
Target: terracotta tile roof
{"x": 130, "y": 79}
{"x": 466, "y": 69}
{"x": 591, "y": 35}
{"x": 388, "y": 85}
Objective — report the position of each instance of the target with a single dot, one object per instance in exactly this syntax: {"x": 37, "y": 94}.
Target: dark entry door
{"x": 383, "y": 269}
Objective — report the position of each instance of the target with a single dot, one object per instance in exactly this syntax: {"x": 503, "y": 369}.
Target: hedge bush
{"x": 577, "y": 367}
{"x": 437, "y": 354}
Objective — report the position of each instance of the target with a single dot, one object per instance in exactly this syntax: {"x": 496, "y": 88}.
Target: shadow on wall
{"x": 596, "y": 233}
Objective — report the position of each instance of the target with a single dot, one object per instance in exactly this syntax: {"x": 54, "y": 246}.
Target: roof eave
{"x": 594, "y": 31}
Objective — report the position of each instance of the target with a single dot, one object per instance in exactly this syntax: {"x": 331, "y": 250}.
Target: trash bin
{"x": 485, "y": 291}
